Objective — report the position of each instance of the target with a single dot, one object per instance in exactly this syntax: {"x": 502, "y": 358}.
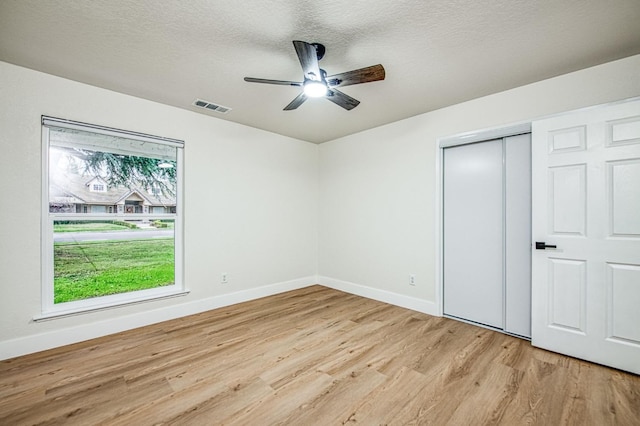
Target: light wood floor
{"x": 307, "y": 357}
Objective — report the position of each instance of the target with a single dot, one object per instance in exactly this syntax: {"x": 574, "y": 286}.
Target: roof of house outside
{"x": 75, "y": 189}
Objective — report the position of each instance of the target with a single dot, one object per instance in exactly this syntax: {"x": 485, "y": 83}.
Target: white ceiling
{"x": 436, "y": 52}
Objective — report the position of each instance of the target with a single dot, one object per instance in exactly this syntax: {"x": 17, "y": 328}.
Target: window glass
{"x": 100, "y": 258}
{"x": 112, "y": 214}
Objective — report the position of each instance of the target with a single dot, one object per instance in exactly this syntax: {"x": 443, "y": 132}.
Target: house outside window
{"x": 109, "y": 237}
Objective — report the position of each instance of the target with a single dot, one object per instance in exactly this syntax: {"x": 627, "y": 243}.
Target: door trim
{"x": 448, "y": 142}
{"x": 485, "y": 135}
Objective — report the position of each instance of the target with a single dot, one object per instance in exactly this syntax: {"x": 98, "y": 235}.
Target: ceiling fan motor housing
{"x": 320, "y": 50}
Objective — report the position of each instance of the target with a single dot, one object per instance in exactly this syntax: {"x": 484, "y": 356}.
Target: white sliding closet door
{"x": 473, "y": 242}
{"x": 517, "y": 302}
{"x": 487, "y": 233}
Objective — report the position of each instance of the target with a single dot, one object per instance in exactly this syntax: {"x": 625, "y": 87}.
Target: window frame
{"x": 52, "y": 310}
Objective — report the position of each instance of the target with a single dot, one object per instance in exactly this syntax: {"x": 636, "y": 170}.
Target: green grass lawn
{"x": 99, "y": 268}
{"x": 101, "y": 226}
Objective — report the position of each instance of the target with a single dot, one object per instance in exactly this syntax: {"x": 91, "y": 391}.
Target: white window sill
{"x": 63, "y": 313}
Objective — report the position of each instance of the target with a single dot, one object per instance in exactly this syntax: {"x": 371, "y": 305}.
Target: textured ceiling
{"x": 436, "y": 52}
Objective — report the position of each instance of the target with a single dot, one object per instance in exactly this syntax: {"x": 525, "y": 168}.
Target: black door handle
{"x": 542, "y": 245}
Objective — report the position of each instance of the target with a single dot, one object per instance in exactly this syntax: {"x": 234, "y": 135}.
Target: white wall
{"x": 378, "y": 187}
{"x": 250, "y": 207}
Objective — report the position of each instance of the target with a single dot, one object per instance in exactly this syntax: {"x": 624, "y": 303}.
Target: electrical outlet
{"x": 224, "y": 278}
{"x": 412, "y": 279}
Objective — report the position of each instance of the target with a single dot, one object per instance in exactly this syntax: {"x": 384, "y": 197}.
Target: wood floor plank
{"x": 382, "y": 404}
{"x": 338, "y": 403}
{"x": 314, "y": 356}
{"x": 541, "y": 396}
{"x": 277, "y": 407}
{"x": 492, "y": 389}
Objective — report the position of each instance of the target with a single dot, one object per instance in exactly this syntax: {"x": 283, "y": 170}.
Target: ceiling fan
{"x": 317, "y": 84}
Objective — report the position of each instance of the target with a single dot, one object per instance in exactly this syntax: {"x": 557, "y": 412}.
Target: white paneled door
{"x": 586, "y": 210}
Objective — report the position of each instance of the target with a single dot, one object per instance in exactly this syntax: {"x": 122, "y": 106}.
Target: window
{"x": 103, "y": 242}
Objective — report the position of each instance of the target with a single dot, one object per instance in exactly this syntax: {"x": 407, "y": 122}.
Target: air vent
{"x": 211, "y": 106}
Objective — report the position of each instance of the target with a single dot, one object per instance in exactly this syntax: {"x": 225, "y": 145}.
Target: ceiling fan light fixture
{"x": 315, "y": 89}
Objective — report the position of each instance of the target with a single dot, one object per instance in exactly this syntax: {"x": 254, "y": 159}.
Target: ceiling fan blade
{"x": 308, "y": 59}
{"x": 342, "y": 99}
{"x": 299, "y": 100}
{"x": 280, "y": 82}
{"x": 362, "y": 75}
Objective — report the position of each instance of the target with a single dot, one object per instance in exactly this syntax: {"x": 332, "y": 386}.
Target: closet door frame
{"x": 451, "y": 141}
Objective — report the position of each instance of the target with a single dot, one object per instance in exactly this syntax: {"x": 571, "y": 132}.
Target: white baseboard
{"x": 396, "y": 299}
{"x": 43, "y": 341}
